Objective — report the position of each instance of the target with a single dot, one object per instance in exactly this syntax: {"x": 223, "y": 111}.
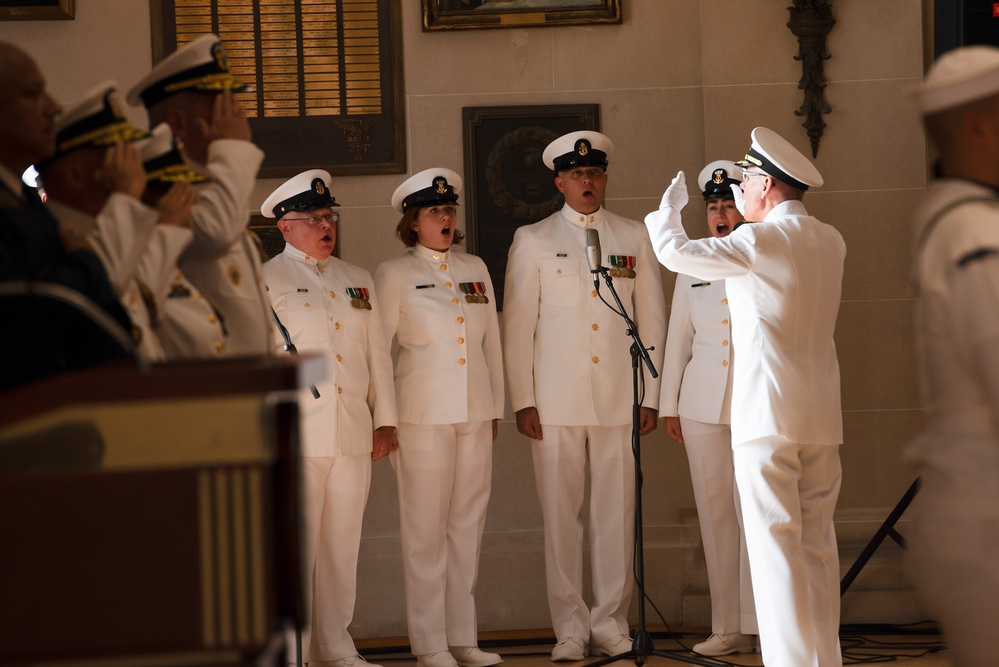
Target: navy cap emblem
{"x": 718, "y": 176}
{"x": 113, "y": 105}
{"x": 441, "y": 184}
{"x": 218, "y": 52}
{"x": 318, "y": 186}
{"x": 582, "y": 147}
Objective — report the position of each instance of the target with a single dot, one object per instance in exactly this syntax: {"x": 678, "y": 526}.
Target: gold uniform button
{"x": 336, "y": 325}
{"x": 593, "y": 293}
{"x": 461, "y": 341}
{"x": 449, "y": 284}
{"x": 725, "y": 362}
{"x": 595, "y": 327}
{"x": 461, "y": 362}
{"x": 725, "y": 342}
{"x": 211, "y": 319}
{"x": 332, "y": 295}
{"x": 443, "y": 267}
{"x": 319, "y": 269}
{"x": 219, "y": 346}
{"x": 454, "y": 300}
{"x": 724, "y": 320}
{"x": 461, "y": 320}
{"x": 339, "y": 390}
{"x": 596, "y": 360}
{"x": 558, "y": 272}
{"x": 339, "y": 358}
{"x": 725, "y": 301}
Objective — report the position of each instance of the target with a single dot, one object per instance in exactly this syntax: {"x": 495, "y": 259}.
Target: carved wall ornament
{"x": 811, "y": 21}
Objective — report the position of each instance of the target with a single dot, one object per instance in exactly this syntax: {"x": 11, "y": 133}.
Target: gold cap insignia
{"x": 319, "y": 186}
{"x": 718, "y": 176}
{"x": 584, "y": 148}
{"x": 218, "y": 52}
{"x": 441, "y": 184}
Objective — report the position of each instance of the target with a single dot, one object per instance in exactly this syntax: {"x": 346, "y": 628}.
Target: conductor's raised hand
{"x": 676, "y": 194}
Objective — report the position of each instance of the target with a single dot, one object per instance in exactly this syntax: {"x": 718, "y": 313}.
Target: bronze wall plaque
{"x": 506, "y": 182}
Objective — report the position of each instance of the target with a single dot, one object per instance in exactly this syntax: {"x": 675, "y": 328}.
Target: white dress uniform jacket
{"x": 697, "y": 364}
{"x": 119, "y": 235}
{"x": 957, "y": 320}
{"x": 783, "y": 277}
{"x": 314, "y": 301}
{"x": 223, "y": 261}
{"x": 565, "y": 351}
{"x": 449, "y": 368}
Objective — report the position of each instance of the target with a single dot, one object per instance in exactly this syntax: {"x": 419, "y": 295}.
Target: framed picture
{"x": 507, "y": 184}
{"x": 461, "y": 14}
{"x": 37, "y": 10}
{"x": 327, "y": 77}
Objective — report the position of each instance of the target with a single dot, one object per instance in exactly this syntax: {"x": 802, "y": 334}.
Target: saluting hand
{"x": 228, "y": 119}
{"x": 122, "y": 171}
{"x": 740, "y": 198}
{"x": 175, "y": 206}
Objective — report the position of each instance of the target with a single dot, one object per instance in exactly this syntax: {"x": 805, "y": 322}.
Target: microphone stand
{"x": 641, "y": 645}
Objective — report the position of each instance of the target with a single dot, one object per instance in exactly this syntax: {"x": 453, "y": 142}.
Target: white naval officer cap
{"x": 717, "y": 178}
{"x": 429, "y": 187}
{"x": 578, "y": 149}
{"x": 960, "y": 76}
{"x": 96, "y": 120}
{"x": 776, "y": 156}
{"x": 307, "y": 191}
{"x": 164, "y": 159}
{"x": 198, "y": 65}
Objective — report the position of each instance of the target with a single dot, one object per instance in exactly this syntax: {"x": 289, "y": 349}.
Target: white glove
{"x": 676, "y": 194}
{"x": 740, "y": 199}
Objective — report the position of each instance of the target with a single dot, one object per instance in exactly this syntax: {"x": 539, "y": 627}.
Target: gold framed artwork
{"x": 37, "y": 10}
{"x": 327, "y": 77}
{"x": 464, "y": 14}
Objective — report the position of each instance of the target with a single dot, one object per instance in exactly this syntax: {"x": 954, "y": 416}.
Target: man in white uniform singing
{"x": 783, "y": 278}
{"x": 568, "y": 364}
{"x": 329, "y": 306}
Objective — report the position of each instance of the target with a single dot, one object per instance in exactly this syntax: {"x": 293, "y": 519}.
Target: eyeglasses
{"x": 746, "y": 174}
{"x": 316, "y": 220}
{"x": 579, "y": 173}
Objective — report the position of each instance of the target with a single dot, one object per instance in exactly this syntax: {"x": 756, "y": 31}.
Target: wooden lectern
{"x": 152, "y": 517}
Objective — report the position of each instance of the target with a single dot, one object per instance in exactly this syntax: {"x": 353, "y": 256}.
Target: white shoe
{"x": 572, "y": 649}
{"x": 349, "y": 661}
{"x": 734, "y": 642}
{"x": 438, "y": 659}
{"x": 473, "y": 656}
{"x": 616, "y": 645}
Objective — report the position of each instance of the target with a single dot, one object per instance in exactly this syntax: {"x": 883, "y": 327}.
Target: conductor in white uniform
{"x": 568, "y": 365}
{"x": 952, "y": 548}
{"x": 696, "y": 405}
{"x": 329, "y": 306}
{"x": 439, "y": 307}
{"x": 783, "y": 279}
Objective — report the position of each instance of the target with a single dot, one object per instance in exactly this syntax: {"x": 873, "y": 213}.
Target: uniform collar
{"x": 430, "y": 254}
{"x": 582, "y": 220}
{"x": 786, "y": 208}
{"x": 300, "y": 256}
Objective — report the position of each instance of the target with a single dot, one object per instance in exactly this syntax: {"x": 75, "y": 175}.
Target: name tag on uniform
{"x": 426, "y": 286}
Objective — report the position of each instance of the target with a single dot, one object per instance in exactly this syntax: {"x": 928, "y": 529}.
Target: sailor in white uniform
{"x": 329, "y": 306}
{"x": 439, "y": 307}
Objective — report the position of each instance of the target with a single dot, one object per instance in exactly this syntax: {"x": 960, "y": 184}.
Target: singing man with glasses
{"x": 329, "y": 306}
{"x": 783, "y": 276}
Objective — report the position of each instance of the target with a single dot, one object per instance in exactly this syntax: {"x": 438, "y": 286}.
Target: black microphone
{"x": 593, "y": 250}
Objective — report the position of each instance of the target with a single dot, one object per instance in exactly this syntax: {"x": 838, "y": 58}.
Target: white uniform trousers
{"x": 709, "y": 453}
{"x": 334, "y": 495}
{"x": 788, "y": 494}
{"x": 560, "y": 464}
{"x": 954, "y": 566}
{"x": 444, "y": 476}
